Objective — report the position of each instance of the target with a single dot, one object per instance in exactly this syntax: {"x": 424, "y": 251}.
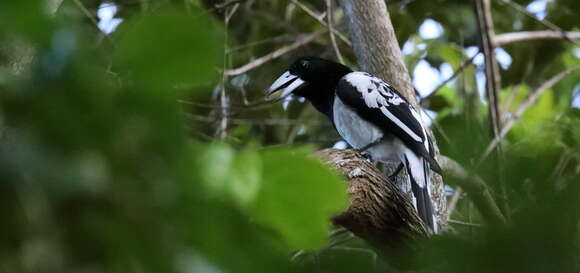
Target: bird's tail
{"x": 419, "y": 173}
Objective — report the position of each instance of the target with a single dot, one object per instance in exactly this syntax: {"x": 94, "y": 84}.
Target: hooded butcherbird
{"x": 371, "y": 116}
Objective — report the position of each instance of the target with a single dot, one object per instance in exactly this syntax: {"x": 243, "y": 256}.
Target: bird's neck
{"x": 322, "y": 100}
{"x": 321, "y": 94}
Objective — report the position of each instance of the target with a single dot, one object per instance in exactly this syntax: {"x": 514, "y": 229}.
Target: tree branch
{"x": 483, "y": 12}
{"x": 273, "y": 55}
{"x": 330, "y": 23}
{"x": 464, "y": 65}
{"x": 378, "y": 212}
{"x": 319, "y": 18}
{"x": 375, "y": 43}
{"x": 514, "y": 37}
{"x": 476, "y": 188}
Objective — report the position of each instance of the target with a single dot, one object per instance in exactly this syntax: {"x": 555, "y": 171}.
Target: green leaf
{"x": 169, "y": 47}
{"x": 299, "y": 194}
{"x": 216, "y": 163}
{"x": 245, "y": 178}
{"x": 451, "y": 54}
{"x": 534, "y": 132}
{"x": 25, "y": 17}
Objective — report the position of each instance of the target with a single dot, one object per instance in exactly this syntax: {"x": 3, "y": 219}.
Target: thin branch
{"x": 329, "y": 13}
{"x": 493, "y": 83}
{"x": 544, "y": 21}
{"x": 277, "y": 39}
{"x": 273, "y": 55}
{"x": 320, "y": 19}
{"x": 464, "y": 65}
{"x": 453, "y": 202}
{"x": 524, "y": 106}
{"x": 464, "y": 223}
{"x": 476, "y": 188}
{"x": 224, "y": 99}
{"x": 273, "y": 122}
{"x": 483, "y": 12}
{"x": 514, "y": 37}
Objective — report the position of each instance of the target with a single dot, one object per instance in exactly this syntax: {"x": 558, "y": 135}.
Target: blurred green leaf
{"x": 298, "y": 196}
{"x": 449, "y": 53}
{"x": 28, "y": 18}
{"x": 535, "y": 127}
{"x": 246, "y": 177}
{"x": 169, "y": 47}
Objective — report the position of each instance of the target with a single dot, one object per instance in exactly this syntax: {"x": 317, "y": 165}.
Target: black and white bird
{"x": 371, "y": 116}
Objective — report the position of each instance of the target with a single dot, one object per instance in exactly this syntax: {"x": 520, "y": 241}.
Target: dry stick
{"x": 331, "y": 31}
{"x": 320, "y": 19}
{"x": 274, "y": 122}
{"x": 273, "y": 55}
{"x": 453, "y": 202}
{"x": 464, "y": 223}
{"x": 483, "y": 11}
{"x": 486, "y": 30}
{"x": 464, "y": 65}
{"x": 544, "y": 22}
{"x": 514, "y": 37}
{"x": 223, "y": 125}
{"x": 476, "y": 188}
{"x": 524, "y": 106}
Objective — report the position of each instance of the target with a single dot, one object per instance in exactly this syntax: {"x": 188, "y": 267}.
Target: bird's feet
{"x": 393, "y": 176}
{"x": 367, "y": 156}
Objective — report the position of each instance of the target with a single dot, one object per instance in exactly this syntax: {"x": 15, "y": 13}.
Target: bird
{"x": 371, "y": 116}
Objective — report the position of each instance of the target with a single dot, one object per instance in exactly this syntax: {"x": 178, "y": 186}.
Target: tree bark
{"x": 375, "y": 44}
{"x": 378, "y": 212}
{"x": 378, "y": 52}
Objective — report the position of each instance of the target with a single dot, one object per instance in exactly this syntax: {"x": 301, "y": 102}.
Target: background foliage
{"x": 131, "y": 152}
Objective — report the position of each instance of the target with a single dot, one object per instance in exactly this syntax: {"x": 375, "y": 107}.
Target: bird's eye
{"x": 304, "y": 64}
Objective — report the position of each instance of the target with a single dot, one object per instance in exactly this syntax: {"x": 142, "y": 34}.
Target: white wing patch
{"x": 378, "y": 94}
{"x": 418, "y": 117}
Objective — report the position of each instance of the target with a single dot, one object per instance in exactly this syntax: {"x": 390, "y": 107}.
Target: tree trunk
{"x": 377, "y": 50}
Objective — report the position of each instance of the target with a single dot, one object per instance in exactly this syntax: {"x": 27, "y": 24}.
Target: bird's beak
{"x": 288, "y": 81}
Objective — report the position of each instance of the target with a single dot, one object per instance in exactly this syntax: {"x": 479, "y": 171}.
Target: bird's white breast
{"x": 359, "y": 133}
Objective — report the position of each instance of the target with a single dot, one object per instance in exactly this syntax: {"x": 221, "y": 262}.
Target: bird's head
{"x": 308, "y": 77}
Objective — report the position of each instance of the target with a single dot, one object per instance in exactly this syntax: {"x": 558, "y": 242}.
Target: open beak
{"x": 288, "y": 81}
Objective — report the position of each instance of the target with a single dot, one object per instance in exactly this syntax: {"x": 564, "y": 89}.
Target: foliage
{"x": 113, "y": 155}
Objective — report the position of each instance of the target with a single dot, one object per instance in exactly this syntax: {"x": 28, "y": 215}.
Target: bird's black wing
{"x": 379, "y": 103}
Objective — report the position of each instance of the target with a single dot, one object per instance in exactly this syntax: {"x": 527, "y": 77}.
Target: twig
{"x": 464, "y": 223}
{"x": 329, "y": 13}
{"x": 223, "y": 124}
{"x": 320, "y": 19}
{"x": 277, "y": 39}
{"x": 276, "y": 122}
{"x": 453, "y": 202}
{"x": 464, "y": 65}
{"x": 476, "y": 188}
{"x": 514, "y": 37}
{"x": 492, "y": 77}
{"x": 524, "y": 106}
{"x": 544, "y": 22}
{"x": 227, "y": 3}
{"x": 273, "y": 55}
{"x": 483, "y": 11}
